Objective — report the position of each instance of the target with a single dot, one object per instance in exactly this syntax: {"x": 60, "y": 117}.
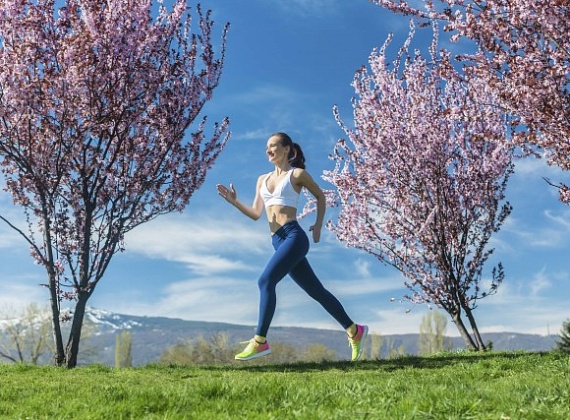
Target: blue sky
{"x": 288, "y": 62}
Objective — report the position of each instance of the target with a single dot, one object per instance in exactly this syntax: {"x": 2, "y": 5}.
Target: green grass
{"x": 494, "y": 385}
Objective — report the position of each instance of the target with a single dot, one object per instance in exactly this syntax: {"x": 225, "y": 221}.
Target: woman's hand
{"x": 316, "y": 229}
{"x": 228, "y": 194}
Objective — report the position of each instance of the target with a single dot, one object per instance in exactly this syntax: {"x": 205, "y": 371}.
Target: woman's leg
{"x": 305, "y": 277}
{"x": 290, "y": 248}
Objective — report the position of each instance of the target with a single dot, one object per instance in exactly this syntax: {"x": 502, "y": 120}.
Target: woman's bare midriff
{"x": 279, "y": 216}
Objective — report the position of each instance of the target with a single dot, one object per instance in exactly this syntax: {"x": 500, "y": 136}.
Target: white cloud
{"x": 213, "y": 299}
{"x": 199, "y": 242}
{"x": 363, "y": 287}
{"x": 560, "y": 218}
{"x": 531, "y": 317}
{"x": 20, "y": 291}
{"x": 397, "y": 320}
{"x": 534, "y": 168}
{"x": 542, "y": 238}
{"x": 362, "y": 267}
{"x": 530, "y": 304}
{"x": 310, "y": 8}
{"x": 549, "y": 229}
{"x": 270, "y": 107}
{"x": 255, "y": 135}
{"x": 539, "y": 283}
{"x": 266, "y": 94}
{"x": 9, "y": 237}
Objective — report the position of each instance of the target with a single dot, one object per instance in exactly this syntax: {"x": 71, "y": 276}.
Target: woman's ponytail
{"x": 296, "y": 156}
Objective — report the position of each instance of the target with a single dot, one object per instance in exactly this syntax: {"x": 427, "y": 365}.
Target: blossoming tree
{"x": 420, "y": 181}
{"x": 96, "y": 99}
{"x": 523, "y": 55}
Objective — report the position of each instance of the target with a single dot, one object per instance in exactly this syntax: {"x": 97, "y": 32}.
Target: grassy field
{"x": 494, "y": 385}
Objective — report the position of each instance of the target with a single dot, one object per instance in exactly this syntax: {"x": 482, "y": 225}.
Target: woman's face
{"x": 275, "y": 151}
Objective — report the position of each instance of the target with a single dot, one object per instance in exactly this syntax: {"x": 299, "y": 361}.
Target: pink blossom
{"x": 523, "y": 56}
{"x": 420, "y": 179}
{"x": 96, "y": 107}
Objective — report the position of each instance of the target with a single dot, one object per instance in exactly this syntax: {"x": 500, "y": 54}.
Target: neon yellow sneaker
{"x": 357, "y": 341}
{"x": 253, "y": 350}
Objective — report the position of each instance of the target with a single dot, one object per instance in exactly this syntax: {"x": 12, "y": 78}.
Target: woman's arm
{"x": 230, "y": 195}
{"x": 303, "y": 179}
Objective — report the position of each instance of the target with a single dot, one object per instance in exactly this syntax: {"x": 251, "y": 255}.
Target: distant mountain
{"x": 152, "y": 335}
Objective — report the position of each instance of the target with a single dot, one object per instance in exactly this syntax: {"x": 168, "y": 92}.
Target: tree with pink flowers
{"x": 96, "y": 103}
{"x": 523, "y": 55}
{"x": 420, "y": 179}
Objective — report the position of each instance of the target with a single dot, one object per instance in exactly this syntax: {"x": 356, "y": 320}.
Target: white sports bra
{"x": 284, "y": 193}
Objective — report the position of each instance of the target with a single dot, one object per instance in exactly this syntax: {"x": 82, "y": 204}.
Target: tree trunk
{"x": 456, "y": 318}
{"x": 475, "y": 329}
{"x": 59, "y": 356}
{"x": 49, "y": 264}
{"x": 72, "y": 348}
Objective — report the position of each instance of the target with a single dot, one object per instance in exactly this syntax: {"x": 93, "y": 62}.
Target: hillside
{"x": 152, "y": 335}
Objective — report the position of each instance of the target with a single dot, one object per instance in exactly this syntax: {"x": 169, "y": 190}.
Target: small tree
{"x": 375, "y": 352}
{"x": 421, "y": 180}
{"x": 220, "y": 344}
{"x": 432, "y": 337}
{"x": 318, "y": 353}
{"x": 178, "y": 354}
{"x": 94, "y": 107}
{"x": 200, "y": 351}
{"x": 393, "y": 352}
{"x": 563, "y": 344}
{"x": 123, "y": 349}
{"x": 25, "y": 336}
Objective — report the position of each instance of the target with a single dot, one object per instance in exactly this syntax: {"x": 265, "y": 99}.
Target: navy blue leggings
{"x": 291, "y": 246}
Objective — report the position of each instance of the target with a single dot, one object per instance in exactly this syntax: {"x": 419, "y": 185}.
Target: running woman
{"x": 278, "y": 193}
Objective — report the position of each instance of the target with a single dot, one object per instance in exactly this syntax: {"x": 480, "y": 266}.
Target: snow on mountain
{"x": 108, "y": 321}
